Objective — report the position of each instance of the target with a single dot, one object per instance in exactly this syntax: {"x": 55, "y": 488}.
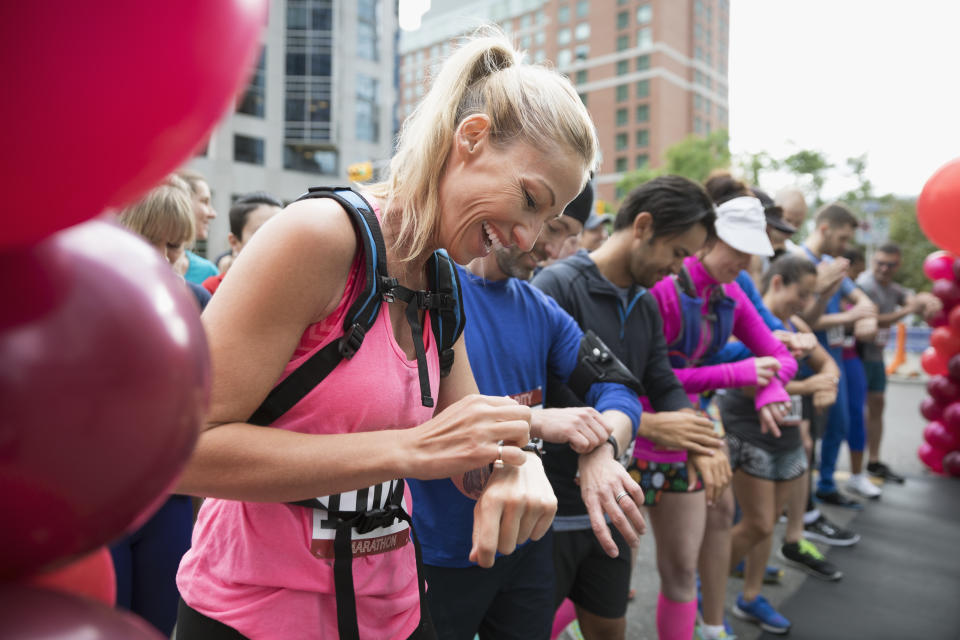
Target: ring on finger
{"x": 498, "y": 463}
{"x": 620, "y": 496}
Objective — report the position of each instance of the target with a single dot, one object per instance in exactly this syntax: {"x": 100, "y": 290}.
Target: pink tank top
{"x": 266, "y": 569}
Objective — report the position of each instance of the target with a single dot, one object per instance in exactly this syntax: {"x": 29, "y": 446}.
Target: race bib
{"x": 835, "y": 336}
{"x": 794, "y": 411}
{"x": 532, "y": 399}
{"x": 380, "y": 540}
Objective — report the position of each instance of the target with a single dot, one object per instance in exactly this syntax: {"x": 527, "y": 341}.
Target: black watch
{"x": 535, "y": 445}
{"x": 616, "y": 447}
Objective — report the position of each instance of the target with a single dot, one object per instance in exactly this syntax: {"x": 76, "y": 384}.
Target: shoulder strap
{"x": 448, "y": 321}
{"x": 359, "y": 317}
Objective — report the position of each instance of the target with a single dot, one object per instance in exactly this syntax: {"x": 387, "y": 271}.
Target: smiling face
{"x": 501, "y": 196}
{"x": 791, "y": 299}
{"x": 725, "y": 263}
{"x": 653, "y": 259}
{"x": 514, "y": 263}
{"x": 202, "y": 209}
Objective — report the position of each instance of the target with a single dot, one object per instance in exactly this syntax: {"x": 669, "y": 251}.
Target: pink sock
{"x": 675, "y": 620}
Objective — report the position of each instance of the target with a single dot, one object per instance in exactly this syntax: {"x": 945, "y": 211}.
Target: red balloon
{"x": 948, "y": 291}
{"x": 932, "y": 362}
{"x": 941, "y": 438}
{"x": 931, "y": 456}
{"x": 945, "y": 341}
{"x": 943, "y": 389}
{"x": 104, "y": 382}
{"x": 29, "y": 613}
{"x": 129, "y": 91}
{"x": 939, "y": 319}
{"x": 938, "y": 265}
{"x": 91, "y": 576}
{"x": 953, "y": 319}
{"x": 931, "y": 409}
{"x": 951, "y": 463}
{"x": 938, "y": 205}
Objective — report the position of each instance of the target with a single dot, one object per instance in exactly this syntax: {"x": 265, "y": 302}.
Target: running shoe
{"x": 762, "y": 613}
{"x": 881, "y": 470}
{"x": 837, "y": 499}
{"x": 822, "y": 530}
{"x": 861, "y": 485}
{"x": 700, "y": 634}
{"x": 772, "y": 575}
{"x": 805, "y": 556}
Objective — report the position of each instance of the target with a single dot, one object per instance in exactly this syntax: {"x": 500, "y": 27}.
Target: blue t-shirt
{"x": 515, "y": 334}
{"x": 200, "y": 269}
{"x": 833, "y": 341}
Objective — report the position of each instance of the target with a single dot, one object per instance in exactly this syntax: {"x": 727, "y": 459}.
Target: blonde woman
{"x": 495, "y": 149}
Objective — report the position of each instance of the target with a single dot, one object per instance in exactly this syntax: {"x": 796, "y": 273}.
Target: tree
{"x": 810, "y": 164}
{"x": 693, "y": 157}
{"x": 914, "y": 245}
{"x": 753, "y": 164}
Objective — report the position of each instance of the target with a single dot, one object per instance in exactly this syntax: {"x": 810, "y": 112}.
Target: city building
{"x": 651, "y": 72}
{"x": 321, "y": 99}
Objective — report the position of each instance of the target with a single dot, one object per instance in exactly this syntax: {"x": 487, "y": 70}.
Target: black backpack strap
{"x": 356, "y": 323}
{"x": 448, "y": 320}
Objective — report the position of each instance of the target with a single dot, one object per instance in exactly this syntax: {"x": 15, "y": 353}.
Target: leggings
{"x": 856, "y": 378}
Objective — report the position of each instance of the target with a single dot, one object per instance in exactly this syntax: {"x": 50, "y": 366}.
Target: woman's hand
{"x": 518, "y": 504}
{"x": 767, "y": 368}
{"x": 714, "y": 471}
{"x": 602, "y": 479}
{"x": 466, "y": 436}
{"x": 771, "y": 415}
{"x": 582, "y": 427}
{"x": 681, "y": 431}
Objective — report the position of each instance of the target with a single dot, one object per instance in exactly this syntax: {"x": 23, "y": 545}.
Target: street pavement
{"x": 903, "y": 434}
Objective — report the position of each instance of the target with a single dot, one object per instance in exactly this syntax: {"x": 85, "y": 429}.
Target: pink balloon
{"x": 110, "y": 97}
{"x": 951, "y": 464}
{"x": 939, "y": 265}
{"x": 939, "y": 437}
{"x": 931, "y": 409}
{"x": 104, "y": 382}
{"x": 29, "y": 613}
{"x": 938, "y": 204}
{"x": 931, "y": 456}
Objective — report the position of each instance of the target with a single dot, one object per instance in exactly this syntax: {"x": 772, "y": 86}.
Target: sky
{"x": 848, "y": 77}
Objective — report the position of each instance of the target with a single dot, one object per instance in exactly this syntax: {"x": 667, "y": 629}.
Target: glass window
{"x": 310, "y": 160}
{"x": 248, "y": 149}
{"x": 581, "y": 51}
{"x": 563, "y": 37}
{"x": 621, "y": 117}
{"x": 525, "y": 42}
{"x": 583, "y": 8}
{"x": 621, "y": 141}
{"x": 642, "y": 138}
{"x": 368, "y": 109}
{"x": 368, "y": 29}
{"x": 644, "y": 38}
{"x": 582, "y": 31}
{"x": 295, "y": 110}
{"x": 643, "y": 113}
{"x": 644, "y": 14}
{"x": 642, "y": 161}
{"x": 581, "y": 77}
{"x": 540, "y": 37}
{"x": 643, "y": 88}
{"x": 563, "y": 14}
{"x": 296, "y": 64}
{"x": 525, "y": 21}
{"x": 623, "y": 20}
{"x": 643, "y": 62}
{"x": 697, "y": 101}
{"x": 623, "y": 42}
{"x": 252, "y": 102}
{"x": 583, "y": 98}
{"x": 621, "y": 165}
{"x": 296, "y": 15}
{"x": 622, "y": 67}
{"x": 564, "y": 58}
{"x": 622, "y": 93}
{"x": 320, "y": 63}
{"x": 540, "y": 56}
{"x": 321, "y": 17}
{"x": 697, "y": 125}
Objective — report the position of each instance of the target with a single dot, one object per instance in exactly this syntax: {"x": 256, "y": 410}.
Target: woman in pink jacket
{"x": 702, "y": 307}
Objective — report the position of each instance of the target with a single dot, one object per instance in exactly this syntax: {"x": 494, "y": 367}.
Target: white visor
{"x": 742, "y": 224}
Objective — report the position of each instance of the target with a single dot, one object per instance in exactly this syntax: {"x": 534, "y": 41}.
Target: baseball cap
{"x": 581, "y": 207}
{"x": 741, "y": 223}
{"x": 596, "y": 219}
{"x": 773, "y": 212}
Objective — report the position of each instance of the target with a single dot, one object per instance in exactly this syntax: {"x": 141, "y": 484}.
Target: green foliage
{"x": 914, "y": 246}
{"x": 753, "y": 164}
{"x": 693, "y": 157}
{"x": 811, "y": 165}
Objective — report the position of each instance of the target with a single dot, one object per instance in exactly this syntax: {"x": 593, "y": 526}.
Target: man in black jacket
{"x": 660, "y": 223}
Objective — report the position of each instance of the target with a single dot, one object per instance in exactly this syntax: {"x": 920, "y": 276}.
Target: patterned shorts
{"x": 778, "y": 466}
{"x": 656, "y": 478}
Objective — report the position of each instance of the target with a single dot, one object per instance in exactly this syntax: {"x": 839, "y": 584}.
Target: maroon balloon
{"x": 953, "y": 367}
{"x": 931, "y": 456}
{"x": 931, "y": 409}
{"x": 939, "y": 437}
{"x": 29, "y": 613}
{"x": 948, "y": 291}
{"x": 951, "y": 464}
{"x": 943, "y": 389}
{"x": 145, "y": 81}
{"x": 956, "y": 269}
{"x": 939, "y": 319}
{"x": 104, "y": 382}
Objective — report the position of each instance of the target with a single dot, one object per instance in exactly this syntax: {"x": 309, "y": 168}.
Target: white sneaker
{"x": 861, "y": 485}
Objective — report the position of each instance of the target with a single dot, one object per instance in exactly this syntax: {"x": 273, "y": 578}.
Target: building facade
{"x": 651, "y": 72}
{"x": 320, "y": 99}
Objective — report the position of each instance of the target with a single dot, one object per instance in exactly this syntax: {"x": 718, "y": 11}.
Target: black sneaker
{"x": 822, "y": 530}
{"x": 807, "y": 557}
{"x": 880, "y": 470}
{"x": 837, "y": 499}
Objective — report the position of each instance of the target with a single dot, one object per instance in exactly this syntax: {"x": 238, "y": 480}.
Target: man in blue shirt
{"x": 515, "y": 336}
